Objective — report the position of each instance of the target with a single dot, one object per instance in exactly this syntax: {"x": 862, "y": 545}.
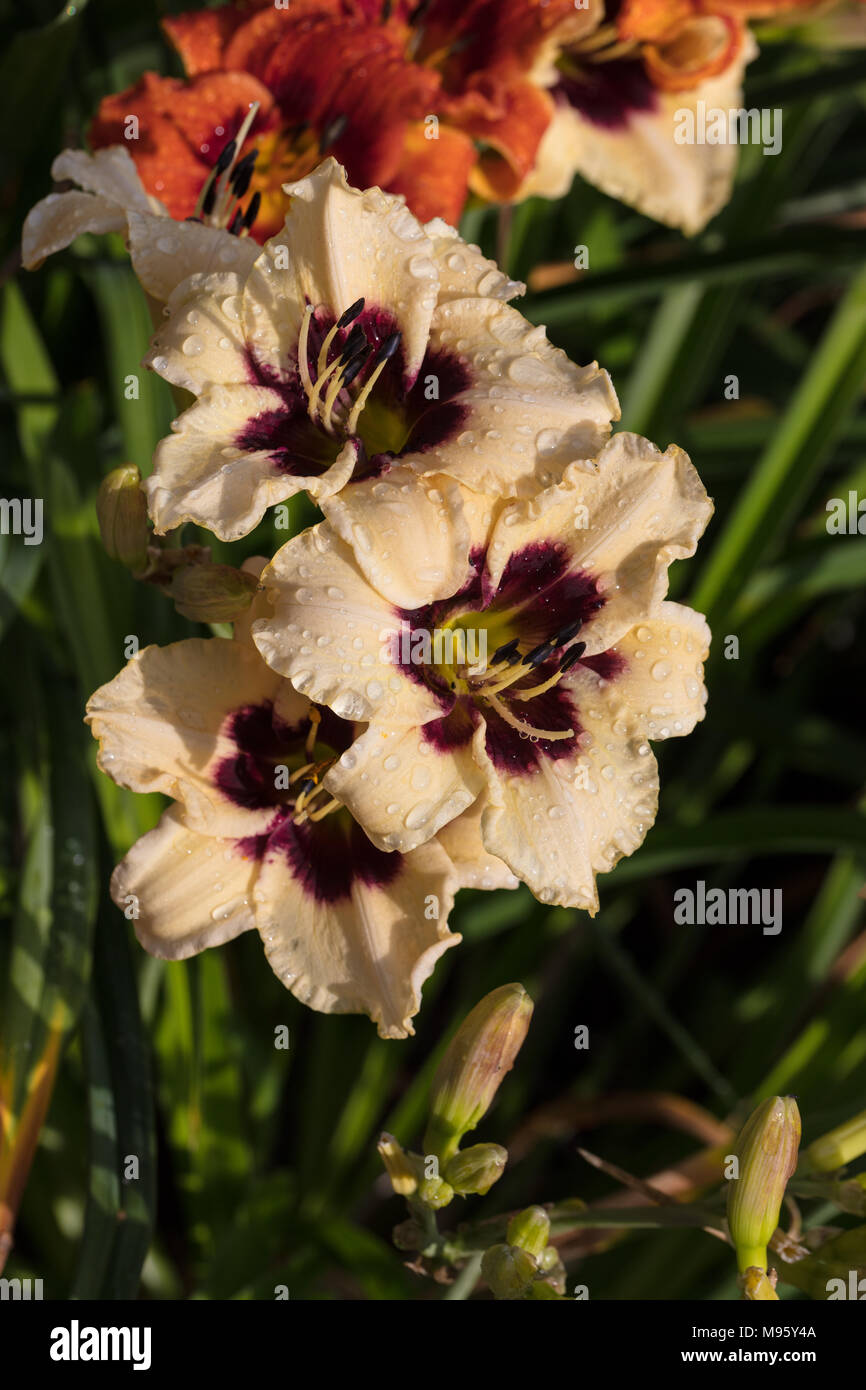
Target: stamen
{"x": 566, "y": 633}
{"x": 235, "y": 224}
{"x": 251, "y": 213}
{"x": 380, "y": 361}
{"x": 332, "y": 132}
{"x": 315, "y": 721}
{"x": 354, "y": 340}
{"x": 303, "y": 339}
{"x": 507, "y": 649}
{"x": 323, "y": 811}
{"x": 540, "y": 653}
{"x": 342, "y": 322}
{"x": 571, "y": 656}
{"x": 525, "y": 728}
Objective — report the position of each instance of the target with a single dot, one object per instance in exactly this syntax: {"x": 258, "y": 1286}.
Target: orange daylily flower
{"x": 401, "y": 93}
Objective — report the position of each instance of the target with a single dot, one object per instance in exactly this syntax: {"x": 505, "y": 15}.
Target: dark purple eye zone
{"x": 608, "y": 93}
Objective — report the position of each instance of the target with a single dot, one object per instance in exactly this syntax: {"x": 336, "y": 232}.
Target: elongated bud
{"x": 212, "y": 593}
{"x": 757, "y": 1287}
{"x": 476, "y": 1169}
{"x": 767, "y": 1153}
{"x": 508, "y": 1270}
{"x": 530, "y": 1229}
{"x": 121, "y": 510}
{"x": 481, "y": 1052}
{"x": 400, "y": 1166}
{"x": 840, "y": 1146}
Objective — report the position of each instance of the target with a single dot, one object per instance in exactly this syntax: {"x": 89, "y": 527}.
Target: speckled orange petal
{"x": 512, "y": 140}
{"x": 463, "y": 37}
{"x": 200, "y": 36}
{"x": 434, "y": 174}
{"x": 704, "y": 47}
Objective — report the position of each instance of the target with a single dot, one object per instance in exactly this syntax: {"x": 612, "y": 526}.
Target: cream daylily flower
{"x": 254, "y": 842}
{"x": 548, "y": 739}
{"x": 111, "y": 198}
{"x": 358, "y": 342}
{"x": 633, "y": 152}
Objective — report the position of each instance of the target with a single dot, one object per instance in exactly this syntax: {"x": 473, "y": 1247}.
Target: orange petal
{"x": 652, "y": 20}
{"x": 200, "y": 36}
{"x": 434, "y": 174}
{"x": 513, "y": 140}
{"x": 703, "y": 47}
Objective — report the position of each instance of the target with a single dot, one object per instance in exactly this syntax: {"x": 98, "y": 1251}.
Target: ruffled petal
{"x": 57, "y": 220}
{"x": 161, "y": 725}
{"x": 402, "y": 789}
{"x": 164, "y": 253}
{"x": 662, "y": 684}
{"x": 332, "y": 635}
{"x": 367, "y": 953}
{"x": 206, "y": 471}
{"x": 464, "y": 273}
{"x": 411, "y": 536}
{"x": 528, "y": 411}
{"x": 340, "y": 245}
{"x": 576, "y": 816}
{"x": 622, "y": 524}
{"x": 474, "y": 866}
{"x": 201, "y": 343}
{"x": 109, "y": 173}
{"x": 184, "y": 891}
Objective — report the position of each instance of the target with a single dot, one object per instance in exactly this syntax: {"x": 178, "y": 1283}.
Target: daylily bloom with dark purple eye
{"x": 360, "y": 342}
{"x": 254, "y": 840}
{"x": 585, "y": 662}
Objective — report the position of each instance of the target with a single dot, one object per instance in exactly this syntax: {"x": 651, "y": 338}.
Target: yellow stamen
{"x": 352, "y": 422}
{"x": 315, "y": 721}
{"x": 325, "y": 810}
{"x": 528, "y": 729}
{"x": 538, "y": 689}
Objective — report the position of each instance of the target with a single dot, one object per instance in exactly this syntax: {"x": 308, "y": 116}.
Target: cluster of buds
{"x": 527, "y": 1265}
{"x": 201, "y": 591}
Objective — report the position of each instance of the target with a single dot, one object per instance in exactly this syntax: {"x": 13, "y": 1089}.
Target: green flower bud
{"x": 476, "y": 1169}
{"x": 481, "y": 1052}
{"x": 435, "y": 1192}
{"x": 401, "y": 1167}
{"x": 408, "y": 1235}
{"x": 121, "y": 510}
{"x": 509, "y": 1271}
{"x": 767, "y": 1153}
{"x": 530, "y": 1229}
{"x": 212, "y": 593}
{"x": 840, "y": 1146}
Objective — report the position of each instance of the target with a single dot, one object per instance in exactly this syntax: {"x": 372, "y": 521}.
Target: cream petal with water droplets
{"x": 340, "y": 245}
{"x": 192, "y": 891}
{"x": 473, "y": 865}
{"x": 400, "y": 788}
{"x": 57, "y": 220}
{"x": 109, "y": 173}
{"x": 464, "y": 272}
{"x": 201, "y": 344}
{"x": 622, "y": 524}
{"x": 333, "y": 636}
{"x": 368, "y": 953}
{"x": 160, "y": 725}
{"x": 575, "y": 817}
{"x": 410, "y": 536}
{"x": 164, "y": 252}
{"x": 201, "y": 475}
{"x": 641, "y": 163}
{"x": 662, "y": 686}
{"x": 529, "y": 410}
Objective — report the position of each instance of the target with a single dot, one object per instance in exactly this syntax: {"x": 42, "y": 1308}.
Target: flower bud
{"x": 530, "y": 1229}
{"x": 767, "y": 1153}
{"x": 212, "y": 593}
{"x": 408, "y": 1235}
{"x": 435, "y": 1192}
{"x": 757, "y": 1287}
{"x": 508, "y": 1270}
{"x": 121, "y": 510}
{"x": 476, "y": 1169}
{"x": 400, "y": 1166}
{"x": 481, "y": 1052}
{"x": 839, "y": 1146}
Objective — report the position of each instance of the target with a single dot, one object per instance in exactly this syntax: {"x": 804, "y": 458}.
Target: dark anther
{"x": 248, "y": 162}
{"x": 386, "y": 11}
{"x": 228, "y": 153}
{"x": 353, "y": 366}
{"x": 388, "y": 348}
{"x": 349, "y": 315}
{"x": 332, "y": 132}
{"x": 209, "y": 199}
{"x": 235, "y": 224}
{"x": 505, "y": 650}
{"x": 308, "y": 785}
{"x": 356, "y": 340}
{"x": 240, "y": 182}
{"x": 572, "y": 655}
{"x": 419, "y": 11}
{"x": 566, "y": 633}
{"x": 540, "y": 653}
{"x": 252, "y": 211}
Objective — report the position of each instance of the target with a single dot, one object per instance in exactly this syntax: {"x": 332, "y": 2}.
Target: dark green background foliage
{"x": 258, "y": 1166}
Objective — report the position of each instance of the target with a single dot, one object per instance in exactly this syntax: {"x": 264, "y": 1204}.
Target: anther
{"x": 540, "y": 653}
{"x": 507, "y": 649}
{"x": 252, "y": 211}
{"x": 349, "y": 315}
{"x": 566, "y": 633}
{"x": 332, "y": 132}
{"x": 227, "y": 154}
{"x": 380, "y": 361}
{"x": 571, "y": 656}
{"x": 235, "y": 224}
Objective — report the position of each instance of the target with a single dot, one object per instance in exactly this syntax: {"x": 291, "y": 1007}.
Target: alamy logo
{"x": 736, "y": 907}
{"x": 75, "y": 1343}
{"x": 22, "y": 518}
{"x": 444, "y": 646}
{"x": 21, "y": 1289}
{"x": 715, "y": 126}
